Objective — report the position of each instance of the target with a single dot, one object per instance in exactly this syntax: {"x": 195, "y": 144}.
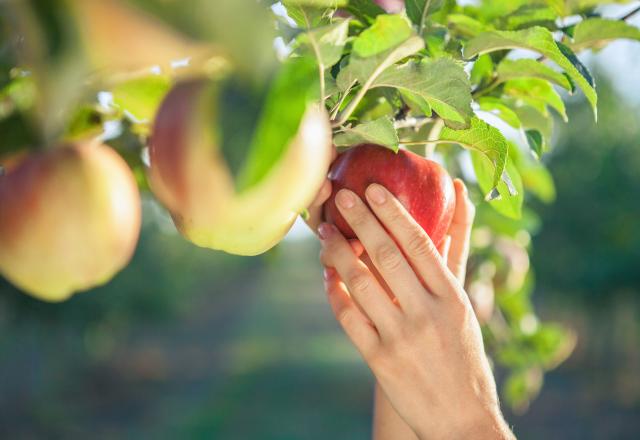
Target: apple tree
{"x": 228, "y": 111}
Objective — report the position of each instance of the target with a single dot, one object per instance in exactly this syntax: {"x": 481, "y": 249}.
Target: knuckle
{"x": 419, "y": 245}
{"x": 388, "y": 257}
{"x": 359, "y": 282}
{"x": 345, "y": 318}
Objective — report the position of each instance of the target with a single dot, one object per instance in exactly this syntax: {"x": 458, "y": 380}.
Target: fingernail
{"x": 376, "y": 194}
{"x": 328, "y": 273}
{"x": 346, "y": 199}
{"x": 325, "y": 230}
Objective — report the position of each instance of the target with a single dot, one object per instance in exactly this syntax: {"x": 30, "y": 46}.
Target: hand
{"x": 423, "y": 344}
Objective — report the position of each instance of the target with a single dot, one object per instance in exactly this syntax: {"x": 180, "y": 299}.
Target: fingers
{"x": 383, "y": 251}
{"x": 444, "y": 247}
{"x": 355, "y": 324}
{"x": 413, "y": 240}
{"x": 315, "y": 209}
{"x": 460, "y": 231}
{"x": 362, "y": 285}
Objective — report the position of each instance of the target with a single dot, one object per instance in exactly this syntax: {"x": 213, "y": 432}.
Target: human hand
{"x": 423, "y": 344}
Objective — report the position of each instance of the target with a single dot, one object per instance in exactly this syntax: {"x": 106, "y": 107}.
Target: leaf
{"x": 527, "y": 68}
{"x": 530, "y": 15}
{"x": 306, "y": 16}
{"x": 496, "y": 107}
{"x": 597, "y": 32}
{"x": 509, "y": 202}
{"x": 292, "y": 91}
{"x": 536, "y": 142}
{"x": 466, "y": 26}
{"x": 540, "y": 40}
{"x": 486, "y": 140}
{"x": 533, "y": 90}
{"x": 536, "y": 179}
{"x": 380, "y": 131}
{"x": 386, "y": 32}
{"x": 141, "y": 97}
{"x": 530, "y": 117}
{"x": 364, "y": 10}
{"x": 418, "y": 10}
{"x": 326, "y": 43}
{"x": 482, "y": 70}
{"x": 416, "y": 102}
{"x": 365, "y": 70}
{"x": 441, "y": 82}
{"x": 319, "y": 3}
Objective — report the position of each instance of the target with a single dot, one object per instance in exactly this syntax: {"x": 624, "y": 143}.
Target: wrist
{"x": 485, "y": 425}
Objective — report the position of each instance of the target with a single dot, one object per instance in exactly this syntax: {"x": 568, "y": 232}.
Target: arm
{"x": 424, "y": 346}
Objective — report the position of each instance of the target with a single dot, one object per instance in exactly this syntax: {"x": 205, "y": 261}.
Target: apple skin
{"x": 69, "y": 219}
{"x": 423, "y": 187}
{"x": 190, "y": 177}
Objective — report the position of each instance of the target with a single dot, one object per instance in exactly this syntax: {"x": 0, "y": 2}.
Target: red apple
{"x": 422, "y": 186}
{"x": 69, "y": 219}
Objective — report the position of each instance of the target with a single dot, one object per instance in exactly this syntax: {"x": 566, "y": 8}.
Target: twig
{"x": 630, "y": 14}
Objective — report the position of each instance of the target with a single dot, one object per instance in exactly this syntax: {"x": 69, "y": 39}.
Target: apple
{"x": 69, "y": 219}
{"x": 423, "y": 187}
{"x": 189, "y": 175}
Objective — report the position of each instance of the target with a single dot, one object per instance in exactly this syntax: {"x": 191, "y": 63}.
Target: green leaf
{"x": 597, "y": 32}
{"x": 509, "y": 202}
{"x": 441, "y": 82}
{"x": 386, "y": 32}
{"x": 521, "y": 386}
{"x": 419, "y": 10}
{"x": 536, "y": 142}
{"x": 140, "y": 98}
{"x": 482, "y": 70}
{"x": 530, "y": 15}
{"x": 534, "y": 90}
{"x": 540, "y": 40}
{"x": 487, "y": 141}
{"x": 466, "y": 26}
{"x": 366, "y": 70}
{"x": 528, "y": 68}
{"x": 380, "y": 131}
{"x": 496, "y": 107}
{"x": 364, "y": 10}
{"x": 326, "y": 43}
{"x": 536, "y": 179}
{"x": 416, "y": 103}
{"x": 306, "y": 17}
{"x": 292, "y": 91}
{"x": 530, "y": 117}
{"x": 85, "y": 123}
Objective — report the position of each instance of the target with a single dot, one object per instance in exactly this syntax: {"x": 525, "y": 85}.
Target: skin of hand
{"x": 413, "y": 324}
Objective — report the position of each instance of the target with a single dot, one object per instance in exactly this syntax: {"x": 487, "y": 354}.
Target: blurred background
{"x": 190, "y": 343}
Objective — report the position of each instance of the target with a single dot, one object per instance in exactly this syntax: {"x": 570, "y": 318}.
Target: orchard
{"x": 230, "y": 113}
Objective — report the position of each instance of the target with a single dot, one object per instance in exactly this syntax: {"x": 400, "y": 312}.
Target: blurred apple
{"x": 69, "y": 219}
{"x": 119, "y": 37}
{"x": 391, "y": 6}
{"x": 189, "y": 175}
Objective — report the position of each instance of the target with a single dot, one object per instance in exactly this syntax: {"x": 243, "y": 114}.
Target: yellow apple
{"x": 69, "y": 219}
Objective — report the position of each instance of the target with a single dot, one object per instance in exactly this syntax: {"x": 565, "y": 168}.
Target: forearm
{"x": 387, "y": 424}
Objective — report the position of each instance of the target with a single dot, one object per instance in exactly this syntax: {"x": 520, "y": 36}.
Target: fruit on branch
{"x": 421, "y": 185}
{"x": 189, "y": 175}
{"x": 69, "y": 219}
{"x": 391, "y": 6}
